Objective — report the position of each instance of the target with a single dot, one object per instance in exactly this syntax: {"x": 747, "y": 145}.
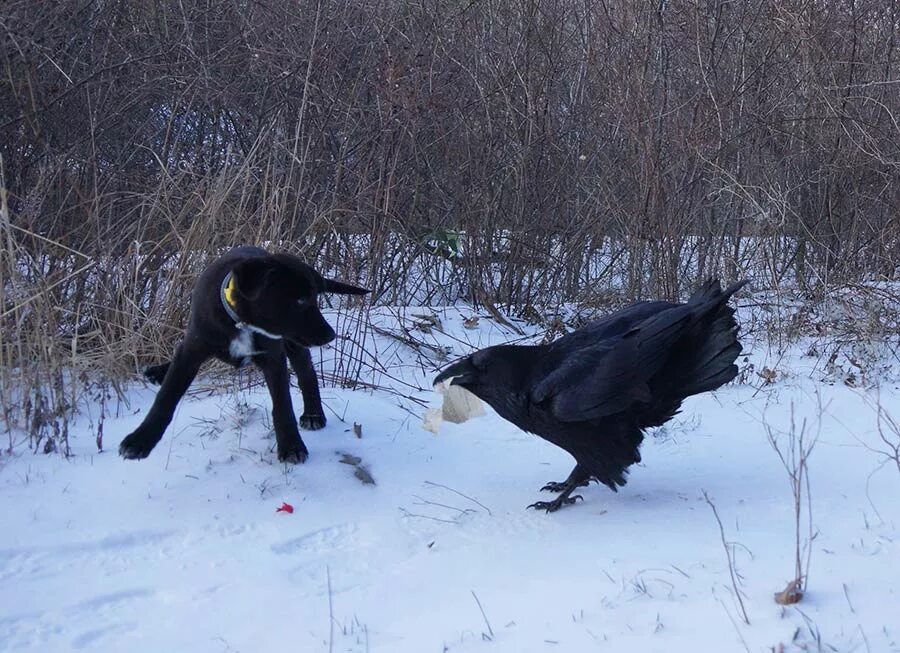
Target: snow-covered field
{"x": 185, "y": 551}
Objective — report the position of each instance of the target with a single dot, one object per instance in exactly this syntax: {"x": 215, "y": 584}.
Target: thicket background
{"x": 515, "y": 153}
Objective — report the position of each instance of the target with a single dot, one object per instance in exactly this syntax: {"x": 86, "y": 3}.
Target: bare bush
{"x": 889, "y": 434}
{"x": 732, "y": 566}
{"x": 794, "y": 447}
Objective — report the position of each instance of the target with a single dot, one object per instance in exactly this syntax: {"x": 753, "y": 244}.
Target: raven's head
{"x": 491, "y": 373}
{"x": 498, "y": 375}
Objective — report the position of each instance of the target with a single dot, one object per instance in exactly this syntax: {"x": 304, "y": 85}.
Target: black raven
{"x": 594, "y": 391}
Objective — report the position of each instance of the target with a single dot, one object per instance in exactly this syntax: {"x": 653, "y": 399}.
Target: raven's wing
{"x": 606, "y": 377}
{"x": 621, "y": 321}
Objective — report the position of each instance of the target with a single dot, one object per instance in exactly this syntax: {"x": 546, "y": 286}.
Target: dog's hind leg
{"x": 313, "y": 417}
{"x": 291, "y": 448}
{"x": 182, "y": 370}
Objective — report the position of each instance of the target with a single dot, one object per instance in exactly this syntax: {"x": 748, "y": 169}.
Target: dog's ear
{"x": 251, "y": 276}
{"x": 341, "y": 288}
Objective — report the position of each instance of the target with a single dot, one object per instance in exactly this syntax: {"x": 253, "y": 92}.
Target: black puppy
{"x": 249, "y": 305}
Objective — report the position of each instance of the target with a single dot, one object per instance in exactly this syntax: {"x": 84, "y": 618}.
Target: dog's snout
{"x": 323, "y": 335}
{"x": 329, "y": 336}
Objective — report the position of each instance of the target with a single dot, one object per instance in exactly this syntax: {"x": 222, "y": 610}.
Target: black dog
{"x": 249, "y": 305}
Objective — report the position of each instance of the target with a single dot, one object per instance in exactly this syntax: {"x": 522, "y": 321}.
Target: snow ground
{"x": 185, "y": 551}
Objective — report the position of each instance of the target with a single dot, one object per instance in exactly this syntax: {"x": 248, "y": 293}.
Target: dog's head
{"x": 279, "y": 293}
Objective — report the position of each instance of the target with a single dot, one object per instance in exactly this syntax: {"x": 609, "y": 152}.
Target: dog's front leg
{"x": 291, "y": 448}
{"x": 178, "y": 377}
{"x": 313, "y": 417}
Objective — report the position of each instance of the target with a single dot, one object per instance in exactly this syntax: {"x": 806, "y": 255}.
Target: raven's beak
{"x": 459, "y": 373}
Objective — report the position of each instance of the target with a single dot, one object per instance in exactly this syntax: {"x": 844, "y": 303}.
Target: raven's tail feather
{"x": 709, "y": 361}
{"x": 711, "y": 292}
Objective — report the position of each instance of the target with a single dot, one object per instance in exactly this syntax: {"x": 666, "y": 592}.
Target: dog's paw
{"x": 294, "y": 455}
{"x": 312, "y": 422}
{"x": 136, "y": 447}
{"x": 156, "y": 373}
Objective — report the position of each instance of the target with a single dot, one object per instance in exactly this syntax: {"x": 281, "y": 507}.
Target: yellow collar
{"x": 229, "y": 290}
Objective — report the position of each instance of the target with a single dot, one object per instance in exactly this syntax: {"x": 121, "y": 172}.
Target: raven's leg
{"x": 579, "y": 477}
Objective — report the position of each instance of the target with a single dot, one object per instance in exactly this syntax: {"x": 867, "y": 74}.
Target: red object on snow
{"x": 285, "y": 507}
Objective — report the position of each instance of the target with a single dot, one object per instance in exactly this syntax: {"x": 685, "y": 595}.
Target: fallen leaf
{"x": 424, "y": 323}
{"x": 363, "y": 475}
{"x": 790, "y": 594}
{"x": 768, "y": 375}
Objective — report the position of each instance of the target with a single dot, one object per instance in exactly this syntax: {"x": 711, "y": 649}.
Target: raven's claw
{"x": 554, "y": 486}
{"x": 556, "y": 504}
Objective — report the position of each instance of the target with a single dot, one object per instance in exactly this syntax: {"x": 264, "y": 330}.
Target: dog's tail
{"x": 156, "y": 373}
{"x": 341, "y": 288}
